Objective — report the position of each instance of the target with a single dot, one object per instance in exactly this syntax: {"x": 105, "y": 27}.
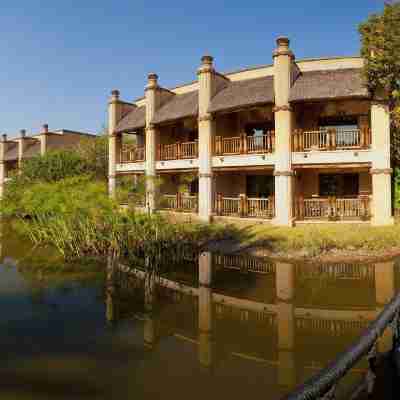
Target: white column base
{"x": 112, "y": 183}
{"x": 283, "y": 201}
{"x": 381, "y": 207}
{"x": 151, "y": 205}
{"x": 205, "y": 198}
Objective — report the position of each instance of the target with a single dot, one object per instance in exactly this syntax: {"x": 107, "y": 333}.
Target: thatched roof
{"x": 55, "y": 141}
{"x": 250, "y": 92}
{"x": 329, "y": 84}
{"x": 180, "y": 106}
{"x": 133, "y": 120}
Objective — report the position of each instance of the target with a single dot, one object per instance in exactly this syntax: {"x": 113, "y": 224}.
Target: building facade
{"x": 291, "y": 142}
{"x": 14, "y": 151}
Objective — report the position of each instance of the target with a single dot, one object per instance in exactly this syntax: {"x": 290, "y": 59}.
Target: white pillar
{"x": 114, "y": 140}
{"x": 206, "y": 134}
{"x": 3, "y": 167}
{"x": 283, "y": 59}
{"x": 22, "y": 142}
{"x": 152, "y": 103}
{"x": 43, "y": 139}
{"x": 381, "y": 207}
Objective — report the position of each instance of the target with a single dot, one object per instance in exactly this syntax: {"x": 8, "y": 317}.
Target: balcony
{"x": 179, "y": 202}
{"x": 178, "y": 151}
{"x": 332, "y": 208}
{"x": 244, "y": 144}
{"x": 243, "y": 206}
{"x": 131, "y": 153}
{"x": 331, "y": 139}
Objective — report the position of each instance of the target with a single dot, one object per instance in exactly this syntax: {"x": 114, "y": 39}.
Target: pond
{"x": 213, "y": 327}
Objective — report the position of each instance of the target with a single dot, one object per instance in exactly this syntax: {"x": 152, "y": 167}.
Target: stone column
{"x": 43, "y": 139}
{"x": 22, "y": 142}
{"x": 206, "y": 134}
{"x": 3, "y": 167}
{"x": 152, "y": 103}
{"x": 283, "y": 59}
{"x": 114, "y": 140}
{"x": 205, "y": 310}
{"x": 285, "y": 281}
{"x": 381, "y": 207}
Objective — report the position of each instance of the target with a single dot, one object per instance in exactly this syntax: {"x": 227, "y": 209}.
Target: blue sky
{"x": 60, "y": 60}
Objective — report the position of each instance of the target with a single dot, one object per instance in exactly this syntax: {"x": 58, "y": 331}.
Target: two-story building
{"x": 292, "y": 141}
{"x": 13, "y": 151}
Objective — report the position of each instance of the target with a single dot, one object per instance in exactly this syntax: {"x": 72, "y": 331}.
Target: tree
{"x": 380, "y": 40}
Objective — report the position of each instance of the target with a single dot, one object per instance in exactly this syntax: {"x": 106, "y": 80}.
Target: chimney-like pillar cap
{"x": 114, "y": 95}
{"x": 283, "y": 41}
{"x": 152, "y": 76}
{"x": 45, "y": 128}
{"x": 283, "y": 47}
{"x": 22, "y": 133}
{"x": 4, "y": 137}
{"x": 152, "y": 81}
{"x": 207, "y": 60}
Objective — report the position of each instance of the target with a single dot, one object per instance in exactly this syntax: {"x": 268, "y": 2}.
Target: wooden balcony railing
{"x": 244, "y": 144}
{"x": 331, "y": 139}
{"x": 132, "y": 153}
{"x": 178, "y": 151}
{"x": 244, "y": 206}
{"x": 179, "y": 202}
{"x": 333, "y": 208}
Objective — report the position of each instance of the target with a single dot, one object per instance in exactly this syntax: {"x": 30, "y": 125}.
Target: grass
{"x": 315, "y": 240}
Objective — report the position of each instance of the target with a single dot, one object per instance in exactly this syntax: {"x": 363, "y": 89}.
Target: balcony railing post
{"x": 300, "y": 134}
{"x": 243, "y": 143}
{"x": 333, "y": 212}
{"x": 271, "y": 202}
{"x": 273, "y": 141}
{"x": 295, "y": 140}
{"x": 332, "y": 138}
{"x": 217, "y": 145}
{"x": 242, "y": 205}
{"x": 219, "y": 204}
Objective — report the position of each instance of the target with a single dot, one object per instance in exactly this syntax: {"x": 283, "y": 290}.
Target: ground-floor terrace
{"x": 319, "y": 193}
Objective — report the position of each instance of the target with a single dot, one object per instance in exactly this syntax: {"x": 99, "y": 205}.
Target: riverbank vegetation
{"x": 61, "y": 200}
{"x": 328, "y": 242}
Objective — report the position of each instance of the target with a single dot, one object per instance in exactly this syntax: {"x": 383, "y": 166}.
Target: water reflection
{"x": 214, "y": 326}
{"x": 290, "y": 319}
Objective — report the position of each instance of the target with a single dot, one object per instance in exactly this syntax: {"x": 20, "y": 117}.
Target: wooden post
{"x": 217, "y": 146}
{"x": 242, "y": 205}
{"x": 272, "y": 141}
{"x": 301, "y": 207}
{"x": 178, "y": 151}
{"x": 295, "y": 140}
{"x": 271, "y": 210}
{"x": 300, "y": 139}
{"x": 219, "y": 204}
{"x": 159, "y": 152}
{"x": 332, "y": 135}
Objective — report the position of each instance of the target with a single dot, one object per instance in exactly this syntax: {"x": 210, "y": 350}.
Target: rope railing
{"x": 324, "y": 384}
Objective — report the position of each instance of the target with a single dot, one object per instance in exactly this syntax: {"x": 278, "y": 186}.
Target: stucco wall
{"x": 230, "y": 184}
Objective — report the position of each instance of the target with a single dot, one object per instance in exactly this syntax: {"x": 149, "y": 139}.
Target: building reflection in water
{"x": 297, "y": 333}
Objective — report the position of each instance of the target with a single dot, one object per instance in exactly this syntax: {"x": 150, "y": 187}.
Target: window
{"x": 340, "y": 185}
{"x": 261, "y": 186}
